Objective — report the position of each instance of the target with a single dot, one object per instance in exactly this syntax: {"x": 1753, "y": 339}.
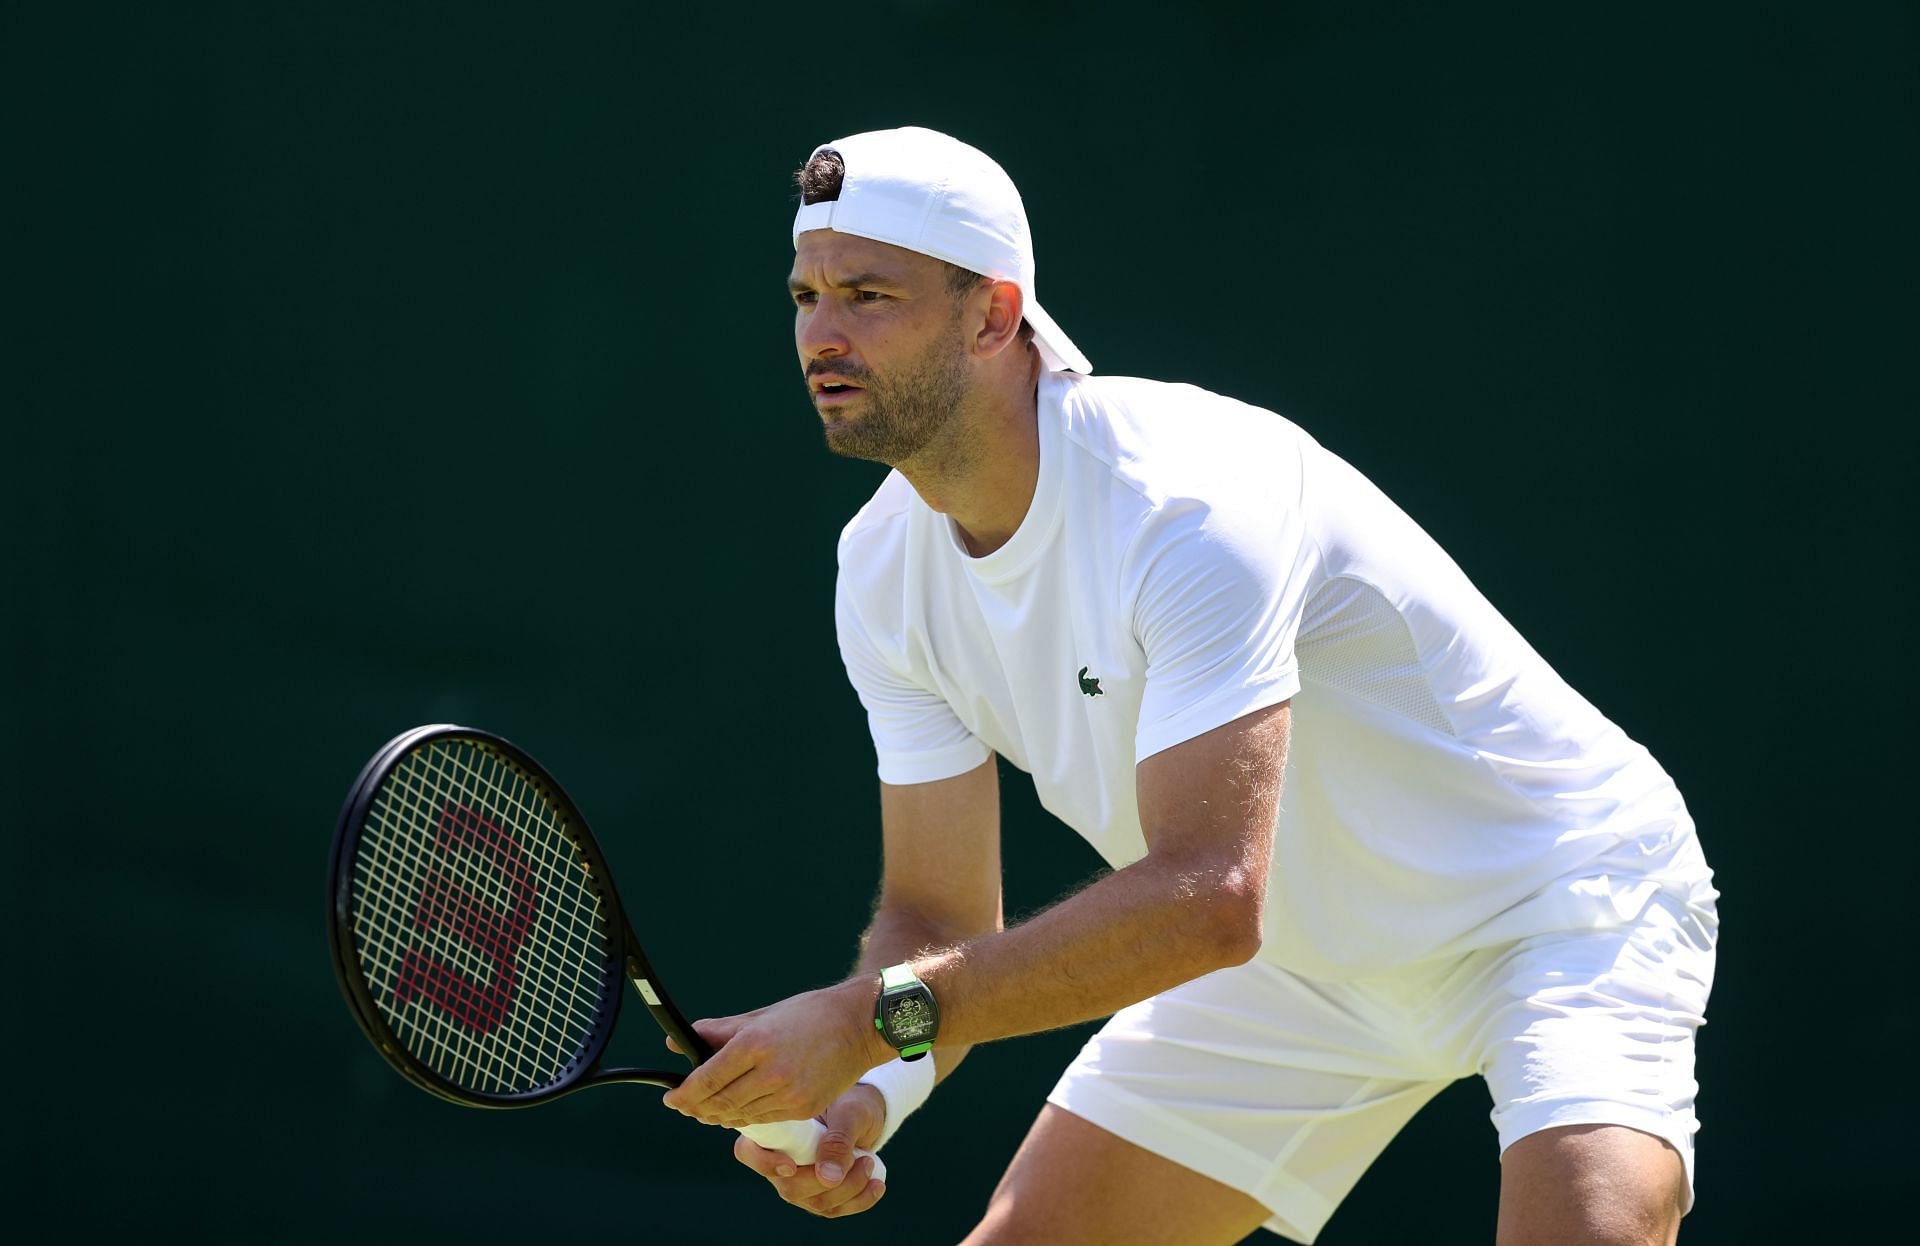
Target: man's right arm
{"x": 939, "y": 886}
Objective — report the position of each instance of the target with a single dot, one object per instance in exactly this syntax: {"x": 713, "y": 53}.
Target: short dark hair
{"x": 820, "y": 179}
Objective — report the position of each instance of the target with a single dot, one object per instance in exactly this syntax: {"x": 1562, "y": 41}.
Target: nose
{"x": 819, "y": 332}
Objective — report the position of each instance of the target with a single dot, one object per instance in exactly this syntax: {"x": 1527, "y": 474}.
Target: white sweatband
{"x": 904, "y": 1085}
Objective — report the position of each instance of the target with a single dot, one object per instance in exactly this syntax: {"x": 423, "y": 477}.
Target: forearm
{"x": 899, "y": 934}
{"x": 1138, "y": 931}
{"x": 1190, "y": 906}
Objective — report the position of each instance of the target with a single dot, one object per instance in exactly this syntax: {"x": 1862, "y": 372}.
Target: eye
{"x": 804, "y": 298}
{"x": 867, "y": 296}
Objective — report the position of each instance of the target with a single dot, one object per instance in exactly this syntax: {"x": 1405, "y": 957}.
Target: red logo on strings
{"x": 447, "y": 904}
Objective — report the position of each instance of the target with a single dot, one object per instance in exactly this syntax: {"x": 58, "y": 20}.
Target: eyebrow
{"x": 795, "y": 285}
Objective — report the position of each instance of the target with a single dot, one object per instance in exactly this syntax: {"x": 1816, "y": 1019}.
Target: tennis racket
{"x": 477, "y": 935}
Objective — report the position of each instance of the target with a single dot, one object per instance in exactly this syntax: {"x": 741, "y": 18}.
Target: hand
{"x": 828, "y": 1187}
{"x": 787, "y": 1061}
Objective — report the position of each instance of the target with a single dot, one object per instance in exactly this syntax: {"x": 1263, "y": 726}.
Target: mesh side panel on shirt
{"x": 1354, "y": 642}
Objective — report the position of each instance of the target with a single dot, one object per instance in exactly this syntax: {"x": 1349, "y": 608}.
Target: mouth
{"x": 830, "y": 392}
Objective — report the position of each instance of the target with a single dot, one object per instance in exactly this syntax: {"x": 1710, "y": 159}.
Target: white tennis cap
{"x": 925, "y": 191}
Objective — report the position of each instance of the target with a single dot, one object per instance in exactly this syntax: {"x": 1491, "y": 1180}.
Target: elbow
{"x": 1234, "y": 929}
{"x": 1240, "y": 942}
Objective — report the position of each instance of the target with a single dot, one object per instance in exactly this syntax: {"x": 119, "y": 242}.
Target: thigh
{"x": 1608, "y": 1185}
{"x": 1282, "y": 1089}
{"x": 1072, "y": 1182}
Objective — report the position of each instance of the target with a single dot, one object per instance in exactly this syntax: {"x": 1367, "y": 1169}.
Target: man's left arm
{"x": 1192, "y": 905}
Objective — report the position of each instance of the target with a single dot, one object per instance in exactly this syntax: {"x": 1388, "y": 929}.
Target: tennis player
{"x": 1364, "y": 840}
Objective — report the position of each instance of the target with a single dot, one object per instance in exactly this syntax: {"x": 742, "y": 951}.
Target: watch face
{"x": 909, "y": 1020}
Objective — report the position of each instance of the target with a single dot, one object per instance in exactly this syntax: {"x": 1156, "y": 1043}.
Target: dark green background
{"x": 385, "y": 363}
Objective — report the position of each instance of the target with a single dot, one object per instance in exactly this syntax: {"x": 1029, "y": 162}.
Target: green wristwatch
{"x": 906, "y": 1014}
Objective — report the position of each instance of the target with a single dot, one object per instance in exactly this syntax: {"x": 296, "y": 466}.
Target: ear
{"x": 1004, "y": 310}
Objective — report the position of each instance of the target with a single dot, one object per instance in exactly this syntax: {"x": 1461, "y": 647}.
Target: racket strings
{"x": 550, "y": 1046}
{"x": 478, "y": 924}
{"x": 467, "y": 1009}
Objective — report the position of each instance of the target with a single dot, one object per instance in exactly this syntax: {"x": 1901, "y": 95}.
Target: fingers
{"x": 804, "y": 1186}
{"x": 770, "y": 1164}
{"x": 732, "y": 1088}
{"x": 739, "y": 1105}
{"x": 717, "y": 1030}
{"x": 732, "y": 1091}
{"x": 749, "y": 1099}
{"x": 834, "y": 1157}
{"x": 861, "y": 1114}
{"x": 692, "y": 1096}
{"x": 857, "y": 1193}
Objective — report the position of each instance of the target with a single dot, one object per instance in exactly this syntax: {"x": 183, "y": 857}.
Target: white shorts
{"x": 1287, "y": 1089}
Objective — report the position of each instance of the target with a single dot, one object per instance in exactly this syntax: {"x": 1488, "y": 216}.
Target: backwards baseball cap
{"x": 925, "y": 191}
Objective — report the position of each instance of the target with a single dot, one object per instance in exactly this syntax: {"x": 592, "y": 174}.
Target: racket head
{"x": 473, "y": 922}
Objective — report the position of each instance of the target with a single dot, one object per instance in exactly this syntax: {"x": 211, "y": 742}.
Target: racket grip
{"x": 800, "y": 1141}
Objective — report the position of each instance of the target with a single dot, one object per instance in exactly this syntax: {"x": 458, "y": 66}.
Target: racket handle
{"x": 800, "y": 1141}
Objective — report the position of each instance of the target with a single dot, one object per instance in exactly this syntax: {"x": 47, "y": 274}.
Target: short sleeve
{"x": 1217, "y": 602}
{"x": 917, "y": 737}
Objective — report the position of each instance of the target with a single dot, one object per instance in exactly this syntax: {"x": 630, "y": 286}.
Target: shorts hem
{"x": 1297, "y": 1211}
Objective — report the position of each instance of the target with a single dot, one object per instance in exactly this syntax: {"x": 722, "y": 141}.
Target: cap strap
{"x": 814, "y": 216}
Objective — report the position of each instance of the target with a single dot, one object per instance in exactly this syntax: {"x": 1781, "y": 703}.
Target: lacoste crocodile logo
{"x": 1090, "y": 686}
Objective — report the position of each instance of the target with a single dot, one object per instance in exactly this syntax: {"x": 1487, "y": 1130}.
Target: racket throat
{"x": 668, "y": 1017}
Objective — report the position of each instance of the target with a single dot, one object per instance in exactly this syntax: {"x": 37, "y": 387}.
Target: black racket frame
{"x": 623, "y": 948}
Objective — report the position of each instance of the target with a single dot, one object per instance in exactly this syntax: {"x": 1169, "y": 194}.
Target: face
{"x": 880, "y": 343}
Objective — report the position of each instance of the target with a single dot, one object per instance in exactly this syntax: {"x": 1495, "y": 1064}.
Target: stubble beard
{"x": 903, "y": 414}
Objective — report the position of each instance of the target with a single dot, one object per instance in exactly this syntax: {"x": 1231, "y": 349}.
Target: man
{"x": 1364, "y": 840}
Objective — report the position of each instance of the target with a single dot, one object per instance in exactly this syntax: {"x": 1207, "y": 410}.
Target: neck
{"x": 983, "y": 473}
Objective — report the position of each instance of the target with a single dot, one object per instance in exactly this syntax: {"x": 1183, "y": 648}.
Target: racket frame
{"x": 624, "y": 954}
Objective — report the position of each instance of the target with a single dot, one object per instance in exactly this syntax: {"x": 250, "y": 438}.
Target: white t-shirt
{"x": 1188, "y": 559}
